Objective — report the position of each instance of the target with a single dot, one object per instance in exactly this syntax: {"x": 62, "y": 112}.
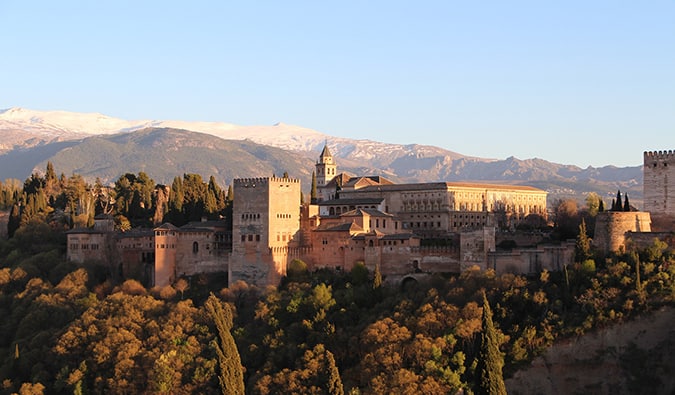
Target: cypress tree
{"x": 377, "y": 279}
{"x": 626, "y": 204}
{"x": 230, "y": 194}
{"x": 601, "y": 206}
{"x": 490, "y": 380}
{"x": 618, "y": 206}
{"x": 14, "y": 220}
{"x": 334, "y": 382}
{"x": 312, "y": 195}
{"x": 231, "y": 376}
{"x": 583, "y": 243}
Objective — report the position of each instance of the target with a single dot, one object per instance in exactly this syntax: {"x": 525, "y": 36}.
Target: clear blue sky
{"x": 574, "y": 82}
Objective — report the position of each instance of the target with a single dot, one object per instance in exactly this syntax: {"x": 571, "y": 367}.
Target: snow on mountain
{"x": 48, "y": 126}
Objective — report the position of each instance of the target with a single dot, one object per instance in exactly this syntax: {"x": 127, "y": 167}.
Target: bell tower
{"x": 326, "y": 169}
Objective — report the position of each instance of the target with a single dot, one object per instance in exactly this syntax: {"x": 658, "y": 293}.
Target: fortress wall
{"x": 611, "y": 228}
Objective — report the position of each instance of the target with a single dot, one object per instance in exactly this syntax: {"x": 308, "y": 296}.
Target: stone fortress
{"x": 616, "y": 231}
{"x": 354, "y": 219}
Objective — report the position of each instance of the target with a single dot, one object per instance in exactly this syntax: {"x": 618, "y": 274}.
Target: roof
{"x": 350, "y": 202}
{"x": 325, "y": 153}
{"x": 447, "y": 185}
{"x": 367, "y": 211}
{"x": 347, "y": 227}
{"x": 76, "y": 231}
{"x": 362, "y": 182}
{"x": 343, "y": 177}
{"x": 166, "y": 226}
{"x": 140, "y": 232}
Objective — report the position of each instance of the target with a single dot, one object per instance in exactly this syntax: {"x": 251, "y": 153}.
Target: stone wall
{"x": 611, "y": 228}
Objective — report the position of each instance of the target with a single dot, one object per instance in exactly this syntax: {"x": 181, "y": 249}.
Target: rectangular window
{"x": 243, "y": 237}
{"x": 250, "y": 237}
{"x": 257, "y": 237}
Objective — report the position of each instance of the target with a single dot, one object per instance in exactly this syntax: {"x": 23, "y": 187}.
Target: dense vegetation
{"x": 70, "y": 328}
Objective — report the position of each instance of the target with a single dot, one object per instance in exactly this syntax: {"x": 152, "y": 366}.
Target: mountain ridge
{"x": 36, "y": 134}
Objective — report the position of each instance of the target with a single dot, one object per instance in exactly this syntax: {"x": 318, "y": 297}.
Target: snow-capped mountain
{"x": 32, "y": 137}
{"x": 49, "y": 126}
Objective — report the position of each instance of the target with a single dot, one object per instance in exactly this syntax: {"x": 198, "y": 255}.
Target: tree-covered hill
{"x": 70, "y": 328}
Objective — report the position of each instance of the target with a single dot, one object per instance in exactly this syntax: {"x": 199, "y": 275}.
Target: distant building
{"x": 366, "y": 219}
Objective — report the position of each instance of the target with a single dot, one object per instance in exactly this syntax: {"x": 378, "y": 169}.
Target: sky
{"x": 588, "y": 83}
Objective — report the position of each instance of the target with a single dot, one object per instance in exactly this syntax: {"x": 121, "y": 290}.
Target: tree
{"x": 312, "y": 192}
{"x": 626, "y": 203}
{"x": 490, "y": 360}
{"x": 601, "y": 206}
{"x": 593, "y": 203}
{"x": 583, "y": 244}
{"x": 617, "y": 202}
{"x": 377, "y": 278}
{"x": 231, "y": 376}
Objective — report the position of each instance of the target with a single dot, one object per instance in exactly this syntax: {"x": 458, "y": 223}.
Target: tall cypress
{"x": 626, "y": 203}
{"x": 312, "y": 195}
{"x": 490, "y": 380}
{"x": 618, "y": 207}
{"x": 231, "y": 375}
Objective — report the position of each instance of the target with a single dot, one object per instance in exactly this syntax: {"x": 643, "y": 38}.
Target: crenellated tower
{"x": 659, "y": 183}
{"x": 265, "y": 223}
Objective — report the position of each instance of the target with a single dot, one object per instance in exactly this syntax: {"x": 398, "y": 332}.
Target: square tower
{"x": 658, "y": 184}
{"x": 265, "y": 224}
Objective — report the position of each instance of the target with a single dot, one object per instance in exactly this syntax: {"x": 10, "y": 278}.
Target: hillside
{"x": 166, "y": 153}
{"x": 628, "y": 358}
{"x": 30, "y": 138}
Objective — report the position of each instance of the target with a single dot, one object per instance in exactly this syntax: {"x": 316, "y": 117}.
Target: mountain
{"x": 164, "y": 153}
{"x": 94, "y": 145}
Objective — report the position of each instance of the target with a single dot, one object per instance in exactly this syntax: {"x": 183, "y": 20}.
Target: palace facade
{"x": 353, "y": 219}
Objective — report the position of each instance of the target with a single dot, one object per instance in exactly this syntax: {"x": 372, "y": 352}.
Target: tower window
{"x": 195, "y": 247}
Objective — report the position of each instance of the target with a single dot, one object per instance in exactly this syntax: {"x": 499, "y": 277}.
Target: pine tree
{"x": 231, "y": 376}
{"x": 312, "y": 195}
{"x": 490, "y": 380}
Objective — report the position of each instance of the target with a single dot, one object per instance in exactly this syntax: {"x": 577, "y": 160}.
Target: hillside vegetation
{"x": 71, "y": 328}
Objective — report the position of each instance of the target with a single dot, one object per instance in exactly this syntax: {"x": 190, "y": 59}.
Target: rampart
{"x": 611, "y": 228}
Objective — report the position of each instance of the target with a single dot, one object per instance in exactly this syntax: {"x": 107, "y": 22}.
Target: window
{"x": 257, "y": 237}
{"x": 195, "y": 247}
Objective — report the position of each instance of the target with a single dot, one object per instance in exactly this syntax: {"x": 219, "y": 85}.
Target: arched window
{"x": 195, "y": 247}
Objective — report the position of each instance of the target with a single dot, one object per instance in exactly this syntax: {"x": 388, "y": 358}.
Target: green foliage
{"x": 231, "y": 376}
{"x": 582, "y": 248}
{"x": 297, "y": 269}
{"x": 490, "y": 359}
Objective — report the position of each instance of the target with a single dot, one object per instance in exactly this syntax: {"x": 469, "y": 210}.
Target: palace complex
{"x": 403, "y": 230}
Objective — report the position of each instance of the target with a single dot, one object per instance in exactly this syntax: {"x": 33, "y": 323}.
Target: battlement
{"x": 659, "y": 155}
{"x": 253, "y": 181}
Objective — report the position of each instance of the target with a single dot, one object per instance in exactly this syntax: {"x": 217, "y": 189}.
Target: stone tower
{"x": 659, "y": 187}
{"x": 265, "y": 224}
{"x": 325, "y": 168}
